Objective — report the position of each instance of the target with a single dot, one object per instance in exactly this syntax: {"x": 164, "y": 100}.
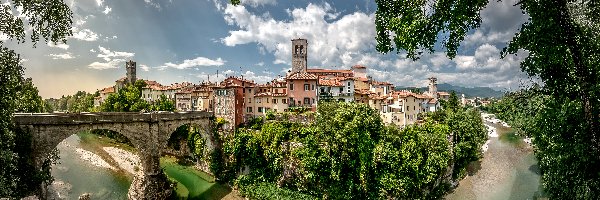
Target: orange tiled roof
{"x": 302, "y": 76}
{"x": 329, "y": 81}
{"x": 358, "y": 67}
{"x": 443, "y": 94}
{"x": 432, "y": 101}
{"x": 380, "y": 83}
{"x": 108, "y": 90}
{"x": 329, "y": 71}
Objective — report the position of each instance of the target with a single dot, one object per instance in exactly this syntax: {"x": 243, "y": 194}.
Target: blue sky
{"x": 188, "y": 40}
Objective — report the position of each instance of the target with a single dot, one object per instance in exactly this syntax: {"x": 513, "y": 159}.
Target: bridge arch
{"x": 148, "y": 132}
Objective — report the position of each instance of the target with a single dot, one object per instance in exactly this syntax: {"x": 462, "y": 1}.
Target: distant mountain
{"x": 469, "y": 92}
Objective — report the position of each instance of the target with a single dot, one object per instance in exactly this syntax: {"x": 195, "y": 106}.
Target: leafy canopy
{"x": 49, "y": 20}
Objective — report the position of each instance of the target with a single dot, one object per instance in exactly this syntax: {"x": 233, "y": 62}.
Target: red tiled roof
{"x": 302, "y": 76}
{"x": 443, "y": 94}
{"x": 380, "y": 83}
{"x": 356, "y": 91}
{"x": 108, "y": 90}
{"x": 432, "y": 101}
{"x": 329, "y": 81}
{"x": 329, "y": 71}
{"x": 264, "y": 94}
{"x": 358, "y": 67}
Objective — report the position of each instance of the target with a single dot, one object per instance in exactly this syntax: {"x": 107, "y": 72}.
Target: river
{"x": 81, "y": 171}
{"x": 508, "y": 170}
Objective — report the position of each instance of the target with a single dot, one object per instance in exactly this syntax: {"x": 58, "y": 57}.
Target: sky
{"x": 190, "y": 40}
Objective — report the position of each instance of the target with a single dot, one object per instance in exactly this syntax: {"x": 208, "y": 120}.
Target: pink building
{"x": 302, "y": 90}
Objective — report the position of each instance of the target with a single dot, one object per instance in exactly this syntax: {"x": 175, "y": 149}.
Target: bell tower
{"x": 433, "y": 87}
{"x": 130, "y": 66}
{"x": 299, "y": 55}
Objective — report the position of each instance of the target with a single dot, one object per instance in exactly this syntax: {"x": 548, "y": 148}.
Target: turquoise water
{"x": 195, "y": 183}
{"x": 81, "y": 177}
{"x": 508, "y": 170}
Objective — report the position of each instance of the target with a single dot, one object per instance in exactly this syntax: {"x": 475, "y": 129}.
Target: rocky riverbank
{"x": 126, "y": 160}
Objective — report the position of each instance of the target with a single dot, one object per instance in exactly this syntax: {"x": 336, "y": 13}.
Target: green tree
{"x": 163, "y": 104}
{"x": 127, "y": 99}
{"x": 563, "y": 41}
{"x": 28, "y": 99}
{"x": 48, "y": 20}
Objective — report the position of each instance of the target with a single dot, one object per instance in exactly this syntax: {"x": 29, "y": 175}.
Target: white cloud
{"x": 107, "y": 54}
{"x": 93, "y": 50}
{"x": 107, "y": 10}
{"x": 258, "y": 78}
{"x": 153, "y": 4}
{"x": 99, "y": 2}
{"x": 352, "y": 34}
{"x": 62, "y": 56}
{"x": 112, "y": 58}
{"x": 212, "y": 77}
{"x": 106, "y": 65}
{"x": 85, "y": 35}
{"x": 256, "y": 3}
{"x": 229, "y": 72}
{"x": 260, "y": 64}
{"x": 58, "y": 45}
{"x": 144, "y": 67}
{"x": 196, "y": 62}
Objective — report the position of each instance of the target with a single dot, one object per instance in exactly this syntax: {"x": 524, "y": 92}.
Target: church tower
{"x": 433, "y": 87}
{"x": 299, "y": 55}
{"x": 130, "y": 66}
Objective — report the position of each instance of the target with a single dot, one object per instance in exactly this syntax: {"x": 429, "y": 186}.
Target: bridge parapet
{"x": 104, "y": 117}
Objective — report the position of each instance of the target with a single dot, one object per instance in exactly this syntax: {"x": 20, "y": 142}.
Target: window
{"x": 313, "y": 100}
{"x": 258, "y": 100}
{"x": 276, "y": 90}
{"x": 249, "y": 109}
{"x": 260, "y": 109}
{"x": 249, "y": 100}
{"x": 306, "y": 87}
{"x": 414, "y": 108}
{"x": 283, "y": 90}
{"x": 274, "y": 101}
{"x": 313, "y": 87}
{"x": 306, "y": 100}
{"x": 267, "y": 100}
{"x": 322, "y": 90}
{"x": 341, "y": 90}
{"x": 284, "y": 101}
{"x": 348, "y": 83}
{"x": 407, "y": 108}
{"x": 291, "y": 86}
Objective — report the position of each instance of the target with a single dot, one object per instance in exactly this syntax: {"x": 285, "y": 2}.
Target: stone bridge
{"x": 148, "y": 132}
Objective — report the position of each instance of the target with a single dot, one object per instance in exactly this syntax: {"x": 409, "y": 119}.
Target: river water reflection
{"x": 508, "y": 170}
{"x": 75, "y": 176}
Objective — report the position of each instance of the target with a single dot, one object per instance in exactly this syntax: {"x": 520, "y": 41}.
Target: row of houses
{"x": 237, "y": 99}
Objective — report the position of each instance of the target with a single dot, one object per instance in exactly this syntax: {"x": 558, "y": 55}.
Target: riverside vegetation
{"x": 348, "y": 153}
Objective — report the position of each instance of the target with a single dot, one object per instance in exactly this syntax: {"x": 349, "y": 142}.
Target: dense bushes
{"x": 347, "y": 153}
